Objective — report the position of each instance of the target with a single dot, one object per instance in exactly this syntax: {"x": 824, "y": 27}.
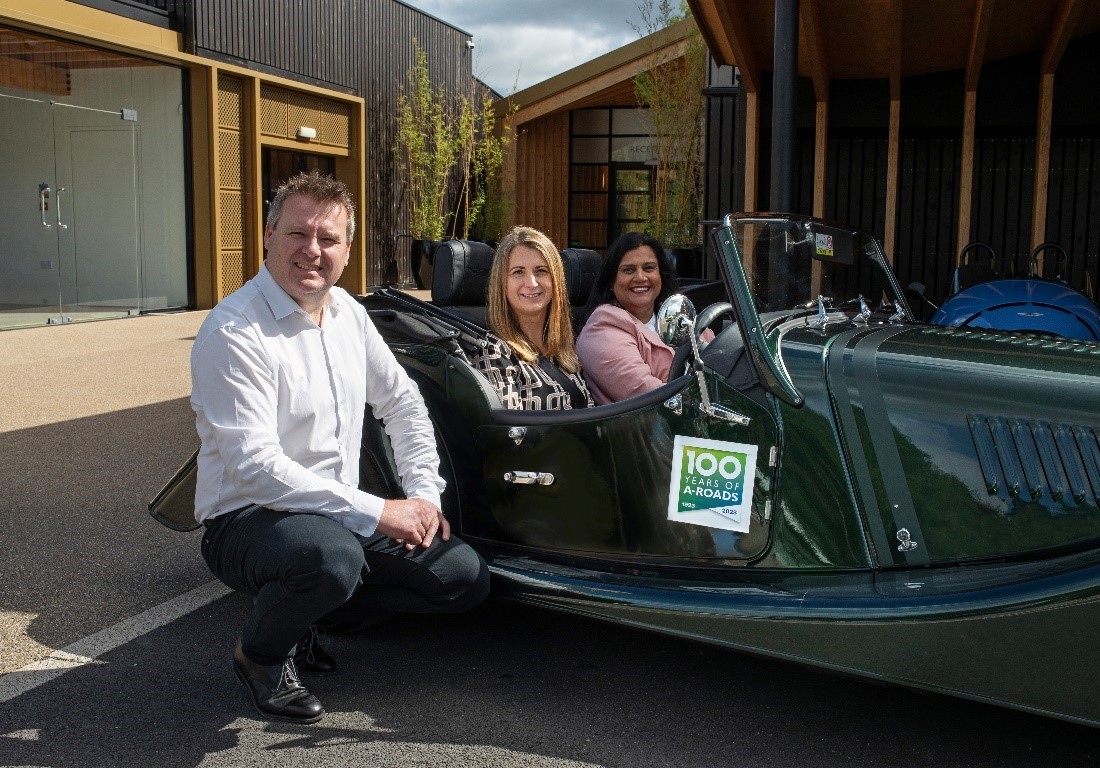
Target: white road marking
{"x": 89, "y": 649}
{"x": 27, "y": 734}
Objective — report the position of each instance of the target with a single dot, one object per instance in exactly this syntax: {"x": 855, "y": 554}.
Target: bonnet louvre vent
{"x": 1032, "y": 459}
{"x": 1025, "y": 339}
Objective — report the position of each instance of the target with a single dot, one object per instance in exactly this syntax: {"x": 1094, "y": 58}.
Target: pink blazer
{"x": 620, "y": 356}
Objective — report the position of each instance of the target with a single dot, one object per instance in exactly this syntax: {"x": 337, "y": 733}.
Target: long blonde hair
{"x": 559, "y": 323}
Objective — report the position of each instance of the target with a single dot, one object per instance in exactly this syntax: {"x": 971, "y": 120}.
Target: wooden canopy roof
{"x": 842, "y": 39}
{"x": 607, "y": 80}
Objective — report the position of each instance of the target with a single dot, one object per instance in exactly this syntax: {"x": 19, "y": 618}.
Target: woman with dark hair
{"x": 620, "y": 351}
{"x": 530, "y": 358}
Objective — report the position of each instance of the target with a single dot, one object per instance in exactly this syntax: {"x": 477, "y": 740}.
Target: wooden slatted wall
{"x": 1004, "y": 169}
{"x": 284, "y": 36}
{"x": 542, "y": 200}
{"x": 724, "y": 186}
{"x": 925, "y": 248}
{"x": 855, "y": 186}
{"x": 388, "y": 31}
{"x": 159, "y": 12}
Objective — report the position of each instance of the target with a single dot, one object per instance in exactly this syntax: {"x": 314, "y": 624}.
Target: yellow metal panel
{"x": 230, "y": 148}
{"x": 230, "y": 101}
{"x": 283, "y": 111}
{"x": 231, "y": 235}
{"x": 232, "y": 270}
{"x": 273, "y": 111}
{"x": 335, "y": 128}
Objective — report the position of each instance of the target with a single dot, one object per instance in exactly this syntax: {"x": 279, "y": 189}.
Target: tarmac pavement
{"x": 96, "y": 419}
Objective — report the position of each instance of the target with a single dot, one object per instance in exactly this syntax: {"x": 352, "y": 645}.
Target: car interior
{"x": 456, "y": 316}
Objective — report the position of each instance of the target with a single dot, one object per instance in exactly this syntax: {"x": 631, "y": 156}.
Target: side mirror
{"x": 676, "y": 325}
{"x": 676, "y": 320}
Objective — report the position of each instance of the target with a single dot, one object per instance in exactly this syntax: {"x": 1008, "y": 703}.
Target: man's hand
{"x": 412, "y": 522}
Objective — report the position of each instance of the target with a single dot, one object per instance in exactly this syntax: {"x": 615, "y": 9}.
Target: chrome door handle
{"x": 57, "y": 208}
{"x": 725, "y": 414}
{"x": 43, "y": 193}
{"x": 529, "y": 478}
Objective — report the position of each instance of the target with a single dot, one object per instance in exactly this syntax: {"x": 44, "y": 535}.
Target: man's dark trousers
{"x": 302, "y": 568}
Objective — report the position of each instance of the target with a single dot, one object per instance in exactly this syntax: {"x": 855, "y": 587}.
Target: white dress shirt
{"x": 279, "y": 406}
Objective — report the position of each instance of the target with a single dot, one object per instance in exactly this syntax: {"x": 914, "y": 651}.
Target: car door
{"x": 599, "y": 481}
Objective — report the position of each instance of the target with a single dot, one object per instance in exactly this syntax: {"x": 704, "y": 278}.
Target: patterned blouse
{"x": 529, "y": 386}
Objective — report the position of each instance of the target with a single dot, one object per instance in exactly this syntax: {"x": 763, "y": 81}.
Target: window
{"x": 612, "y": 156}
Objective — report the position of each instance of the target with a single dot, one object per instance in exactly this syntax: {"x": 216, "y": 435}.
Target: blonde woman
{"x": 530, "y": 358}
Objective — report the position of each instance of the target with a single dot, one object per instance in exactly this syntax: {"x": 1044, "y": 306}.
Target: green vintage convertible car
{"x": 828, "y": 481}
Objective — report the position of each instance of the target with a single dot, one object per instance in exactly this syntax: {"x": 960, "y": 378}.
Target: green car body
{"x": 924, "y": 505}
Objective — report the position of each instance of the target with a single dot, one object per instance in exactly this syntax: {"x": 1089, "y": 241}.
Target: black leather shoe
{"x": 311, "y": 658}
{"x": 276, "y": 690}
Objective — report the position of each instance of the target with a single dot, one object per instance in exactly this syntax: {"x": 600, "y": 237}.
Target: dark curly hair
{"x": 603, "y": 289}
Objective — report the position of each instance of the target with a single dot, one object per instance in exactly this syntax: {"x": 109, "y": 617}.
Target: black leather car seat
{"x": 461, "y": 277}
{"x": 460, "y": 281}
{"x": 581, "y": 266}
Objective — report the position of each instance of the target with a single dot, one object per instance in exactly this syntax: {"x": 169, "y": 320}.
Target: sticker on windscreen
{"x": 712, "y": 483}
{"x": 823, "y": 244}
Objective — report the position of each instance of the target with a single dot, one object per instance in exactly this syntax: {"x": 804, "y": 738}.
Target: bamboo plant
{"x": 673, "y": 91}
{"x": 449, "y": 153}
{"x": 427, "y": 147}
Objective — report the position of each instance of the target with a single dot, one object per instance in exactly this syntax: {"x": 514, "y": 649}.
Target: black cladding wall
{"x": 930, "y": 157}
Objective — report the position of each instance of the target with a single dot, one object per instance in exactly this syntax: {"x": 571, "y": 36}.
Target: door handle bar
{"x": 529, "y": 478}
{"x": 43, "y": 191}
{"x": 57, "y": 208}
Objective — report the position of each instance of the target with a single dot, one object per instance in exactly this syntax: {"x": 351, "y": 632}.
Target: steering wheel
{"x": 710, "y": 314}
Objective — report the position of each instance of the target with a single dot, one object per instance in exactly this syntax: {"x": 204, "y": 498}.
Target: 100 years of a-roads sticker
{"x": 712, "y": 483}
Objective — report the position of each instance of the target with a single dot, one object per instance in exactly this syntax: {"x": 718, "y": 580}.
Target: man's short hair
{"x": 321, "y": 189}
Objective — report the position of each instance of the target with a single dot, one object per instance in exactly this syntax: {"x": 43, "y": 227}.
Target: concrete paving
{"x": 95, "y": 417}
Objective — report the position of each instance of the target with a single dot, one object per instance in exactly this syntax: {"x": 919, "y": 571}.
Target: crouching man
{"x": 282, "y": 371}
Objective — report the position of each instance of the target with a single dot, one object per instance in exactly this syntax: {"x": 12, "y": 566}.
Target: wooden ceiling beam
{"x": 736, "y": 40}
{"x": 706, "y": 15}
{"x": 815, "y": 50}
{"x": 979, "y": 35}
{"x": 1060, "y": 34}
{"x": 894, "y": 32}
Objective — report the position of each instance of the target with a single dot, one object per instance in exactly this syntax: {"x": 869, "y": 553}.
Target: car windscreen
{"x": 790, "y": 261}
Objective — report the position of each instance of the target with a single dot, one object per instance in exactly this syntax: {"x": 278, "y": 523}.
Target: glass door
{"x": 631, "y": 192}
{"x": 93, "y": 203}
{"x": 29, "y": 276}
{"x": 97, "y": 211}
{"x": 70, "y": 228}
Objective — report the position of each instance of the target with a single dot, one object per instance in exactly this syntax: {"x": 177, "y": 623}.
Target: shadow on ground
{"x": 81, "y": 551}
{"x": 509, "y": 685}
